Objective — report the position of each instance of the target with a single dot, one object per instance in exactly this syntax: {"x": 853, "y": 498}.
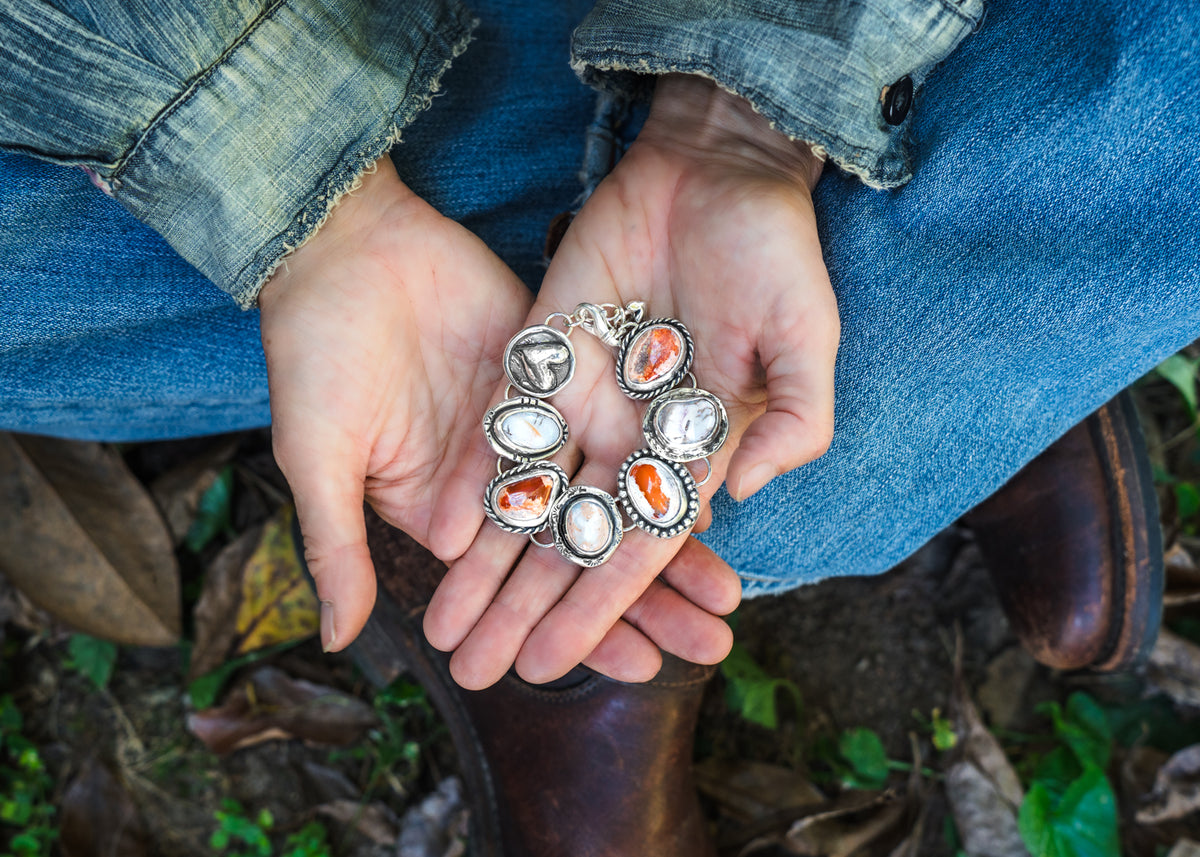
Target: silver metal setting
{"x": 677, "y": 435}
{"x": 510, "y": 523}
{"x": 508, "y": 446}
{"x": 584, "y": 499}
{"x": 638, "y": 507}
{"x": 539, "y": 361}
{"x": 648, "y": 389}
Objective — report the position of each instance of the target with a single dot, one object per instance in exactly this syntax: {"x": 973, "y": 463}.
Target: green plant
{"x": 752, "y": 692}
{"x": 309, "y": 841}
{"x": 249, "y": 837}
{"x": 1070, "y": 809}
{"x": 26, "y": 813}
{"x": 92, "y": 657}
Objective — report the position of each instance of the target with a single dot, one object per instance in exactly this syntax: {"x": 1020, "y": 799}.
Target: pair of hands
{"x": 383, "y": 338}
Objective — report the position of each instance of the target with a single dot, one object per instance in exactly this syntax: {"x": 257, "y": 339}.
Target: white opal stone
{"x": 587, "y": 526}
{"x": 656, "y": 491}
{"x": 530, "y": 430}
{"x": 687, "y": 422}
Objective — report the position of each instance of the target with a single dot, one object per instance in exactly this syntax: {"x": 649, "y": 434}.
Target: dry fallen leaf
{"x": 278, "y": 603}
{"x": 255, "y": 595}
{"x": 374, "y": 820}
{"x": 1001, "y": 696}
{"x": 1184, "y": 848}
{"x": 1174, "y": 669}
{"x": 437, "y": 827}
{"x": 81, "y": 538}
{"x": 178, "y": 491}
{"x": 98, "y": 818}
{"x": 984, "y": 791}
{"x": 1176, "y": 791}
{"x": 750, "y": 790}
{"x": 271, "y": 705}
{"x": 849, "y": 825}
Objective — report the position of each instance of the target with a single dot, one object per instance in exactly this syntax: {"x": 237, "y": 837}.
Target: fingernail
{"x": 328, "y": 634}
{"x": 751, "y": 482}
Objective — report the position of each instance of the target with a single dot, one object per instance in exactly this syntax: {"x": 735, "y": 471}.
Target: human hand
{"x": 708, "y": 218}
{"x": 383, "y": 337}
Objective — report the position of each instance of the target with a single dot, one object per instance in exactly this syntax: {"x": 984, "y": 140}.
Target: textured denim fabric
{"x": 230, "y": 128}
{"x": 818, "y": 71}
{"x": 1044, "y": 256}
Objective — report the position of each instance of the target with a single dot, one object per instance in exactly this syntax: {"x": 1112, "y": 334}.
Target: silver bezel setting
{"x": 523, "y": 471}
{"x": 493, "y": 418}
{"x": 690, "y": 452}
{"x": 557, "y": 525}
{"x": 689, "y": 495}
{"x": 559, "y": 373}
{"x": 649, "y": 391}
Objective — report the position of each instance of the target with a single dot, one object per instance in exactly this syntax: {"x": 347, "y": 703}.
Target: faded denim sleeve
{"x": 229, "y": 126}
{"x": 819, "y": 70}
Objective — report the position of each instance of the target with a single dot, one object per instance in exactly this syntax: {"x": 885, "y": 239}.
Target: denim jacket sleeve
{"x": 229, "y": 126}
{"x": 820, "y": 71}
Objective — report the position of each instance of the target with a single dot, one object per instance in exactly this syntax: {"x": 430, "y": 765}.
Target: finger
{"x": 704, "y": 519}
{"x": 492, "y": 645}
{"x": 797, "y": 426}
{"x": 625, "y": 654}
{"x": 680, "y": 627}
{"x": 470, "y": 585}
{"x": 329, "y": 505}
{"x": 704, "y": 579}
{"x": 458, "y": 511}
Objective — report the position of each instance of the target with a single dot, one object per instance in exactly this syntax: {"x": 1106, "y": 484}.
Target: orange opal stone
{"x": 526, "y": 499}
{"x": 650, "y": 483}
{"x": 655, "y": 353}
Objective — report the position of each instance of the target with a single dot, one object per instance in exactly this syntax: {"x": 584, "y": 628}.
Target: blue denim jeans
{"x": 1044, "y": 256}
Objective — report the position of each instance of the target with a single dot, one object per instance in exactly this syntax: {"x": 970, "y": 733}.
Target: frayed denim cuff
{"x": 231, "y": 136}
{"x": 819, "y": 72}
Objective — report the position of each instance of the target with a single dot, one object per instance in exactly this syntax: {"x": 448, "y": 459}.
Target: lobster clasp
{"x": 608, "y": 322}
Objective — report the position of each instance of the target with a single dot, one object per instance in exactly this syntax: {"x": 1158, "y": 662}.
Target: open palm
{"x": 708, "y": 219}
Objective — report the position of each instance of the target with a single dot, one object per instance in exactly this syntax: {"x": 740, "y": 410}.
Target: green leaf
{"x": 205, "y": 689}
{"x": 1082, "y": 823}
{"x": 1181, "y": 372}
{"x": 751, "y": 692}
{"x": 1083, "y": 728}
{"x": 944, "y": 736}
{"x": 10, "y": 716}
{"x": 92, "y": 657}
{"x": 1187, "y": 499}
{"x": 212, "y": 513}
{"x": 863, "y": 750}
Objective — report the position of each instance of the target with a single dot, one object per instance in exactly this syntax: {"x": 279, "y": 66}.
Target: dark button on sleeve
{"x": 897, "y": 99}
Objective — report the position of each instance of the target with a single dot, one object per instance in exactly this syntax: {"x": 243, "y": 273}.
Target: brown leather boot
{"x": 1074, "y": 547}
{"x": 586, "y": 767}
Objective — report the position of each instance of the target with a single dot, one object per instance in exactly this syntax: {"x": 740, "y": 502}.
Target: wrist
{"x": 694, "y": 114}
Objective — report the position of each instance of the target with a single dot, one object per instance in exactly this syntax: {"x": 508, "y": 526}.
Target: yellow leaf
{"x": 278, "y": 604}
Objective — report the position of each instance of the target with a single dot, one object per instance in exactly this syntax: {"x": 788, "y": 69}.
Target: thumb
{"x": 329, "y": 508}
{"x": 797, "y": 425}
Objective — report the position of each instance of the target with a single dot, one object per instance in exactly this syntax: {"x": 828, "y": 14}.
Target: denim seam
{"x": 193, "y": 85}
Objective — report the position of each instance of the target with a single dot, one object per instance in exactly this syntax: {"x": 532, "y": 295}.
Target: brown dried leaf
{"x": 215, "y": 613}
{"x": 750, "y": 790}
{"x": 80, "y": 536}
{"x": 982, "y": 788}
{"x": 437, "y": 827}
{"x": 278, "y": 604}
{"x": 255, "y": 595}
{"x": 1001, "y": 696}
{"x": 1176, "y": 791}
{"x": 853, "y": 823}
{"x": 1184, "y": 848}
{"x": 273, "y": 705}
{"x": 374, "y": 820}
{"x": 1174, "y": 669}
{"x": 98, "y": 818}
{"x": 178, "y": 491}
